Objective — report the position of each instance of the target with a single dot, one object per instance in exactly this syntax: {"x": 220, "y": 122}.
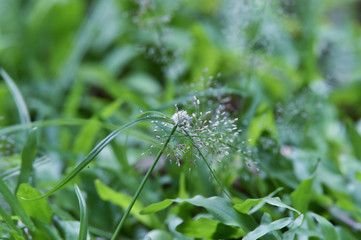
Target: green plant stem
{"x": 145, "y": 179}
{"x": 209, "y": 167}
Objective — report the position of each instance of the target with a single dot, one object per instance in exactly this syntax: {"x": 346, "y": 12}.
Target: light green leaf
{"x": 155, "y": 207}
{"x": 302, "y": 195}
{"x": 40, "y": 209}
{"x": 86, "y": 137}
{"x": 123, "y": 201}
{"x": 246, "y": 206}
{"x": 208, "y": 228}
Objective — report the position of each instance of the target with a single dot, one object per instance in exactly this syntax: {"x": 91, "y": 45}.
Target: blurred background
{"x": 290, "y": 68}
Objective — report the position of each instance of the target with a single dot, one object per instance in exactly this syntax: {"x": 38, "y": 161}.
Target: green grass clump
{"x": 180, "y": 119}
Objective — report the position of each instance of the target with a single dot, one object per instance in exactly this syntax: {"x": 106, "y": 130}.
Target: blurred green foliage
{"x": 290, "y": 70}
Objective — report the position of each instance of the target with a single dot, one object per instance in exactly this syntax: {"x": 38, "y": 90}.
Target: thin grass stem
{"x": 140, "y": 188}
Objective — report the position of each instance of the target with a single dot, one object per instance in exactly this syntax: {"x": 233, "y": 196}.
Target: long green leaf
{"x": 145, "y": 117}
{"x": 18, "y": 98}
{"x": 28, "y": 156}
{"x": 83, "y": 231}
{"x": 263, "y": 229}
{"x": 15, "y": 205}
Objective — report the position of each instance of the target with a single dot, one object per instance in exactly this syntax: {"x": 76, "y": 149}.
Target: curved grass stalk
{"x": 136, "y": 195}
{"x": 209, "y": 167}
{"x": 145, "y": 117}
{"x": 19, "y": 100}
{"x": 83, "y": 230}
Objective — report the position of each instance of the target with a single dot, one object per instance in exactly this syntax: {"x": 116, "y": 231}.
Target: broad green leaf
{"x": 209, "y": 229}
{"x": 28, "y": 156}
{"x": 218, "y": 207}
{"x": 40, "y": 209}
{"x": 15, "y": 205}
{"x": 83, "y": 229}
{"x": 327, "y": 229}
{"x": 123, "y": 201}
{"x": 263, "y": 229}
{"x": 145, "y": 117}
{"x": 302, "y": 195}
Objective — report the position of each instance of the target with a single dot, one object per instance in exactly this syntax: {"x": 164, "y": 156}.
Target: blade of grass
{"x": 136, "y": 195}
{"x": 145, "y": 117}
{"x": 16, "y": 170}
{"x": 9, "y": 221}
{"x": 18, "y": 98}
{"x": 28, "y": 156}
{"x": 15, "y": 205}
{"x": 83, "y": 231}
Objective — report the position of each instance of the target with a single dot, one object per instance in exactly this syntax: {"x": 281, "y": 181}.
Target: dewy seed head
{"x": 180, "y": 117}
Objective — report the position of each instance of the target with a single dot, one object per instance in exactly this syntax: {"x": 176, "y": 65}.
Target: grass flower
{"x": 211, "y": 134}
